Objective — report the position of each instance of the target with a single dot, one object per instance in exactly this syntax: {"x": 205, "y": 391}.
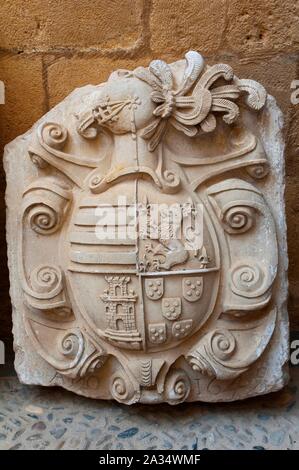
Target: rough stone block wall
{"x": 49, "y": 47}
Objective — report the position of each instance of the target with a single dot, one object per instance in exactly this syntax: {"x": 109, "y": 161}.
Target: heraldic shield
{"x": 149, "y": 292}
{"x": 147, "y": 250}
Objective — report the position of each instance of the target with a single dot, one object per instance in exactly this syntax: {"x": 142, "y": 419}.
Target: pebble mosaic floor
{"x": 40, "y": 418}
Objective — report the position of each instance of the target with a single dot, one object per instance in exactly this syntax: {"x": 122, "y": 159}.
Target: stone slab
{"x": 191, "y": 316}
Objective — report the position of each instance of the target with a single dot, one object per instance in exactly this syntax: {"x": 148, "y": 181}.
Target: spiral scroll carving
{"x": 177, "y": 387}
{"x": 212, "y": 357}
{"x": 170, "y": 181}
{"x": 54, "y": 135}
{"x": 123, "y": 390}
{"x": 248, "y": 280}
{"x": 238, "y": 219}
{"x": 259, "y": 170}
{"x": 222, "y": 344}
{"x": 72, "y": 345}
{"x": 43, "y": 219}
{"x": 45, "y": 289}
{"x": 44, "y": 205}
{"x": 46, "y": 281}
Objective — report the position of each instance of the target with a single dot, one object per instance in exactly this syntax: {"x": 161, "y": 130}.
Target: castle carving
{"x": 120, "y": 312}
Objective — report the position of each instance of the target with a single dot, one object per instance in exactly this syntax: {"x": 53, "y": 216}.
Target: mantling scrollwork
{"x": 177, "y": 387}
{"x": 75, "y": 355}
{"x": 44, "y": 206}
{"x": 238, "y": 219}
{"x": 44, "y": 290}
{"x": 135, "y": 315}
{"x": 123, "y": 390}
{"x": 220, "y": 353}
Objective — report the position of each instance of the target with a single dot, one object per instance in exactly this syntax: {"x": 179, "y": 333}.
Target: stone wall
{"x": 49, "y": 47}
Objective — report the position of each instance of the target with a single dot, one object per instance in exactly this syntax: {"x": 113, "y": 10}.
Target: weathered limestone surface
{"x": 54, "y": 24}
{"x": 184, "y": 317}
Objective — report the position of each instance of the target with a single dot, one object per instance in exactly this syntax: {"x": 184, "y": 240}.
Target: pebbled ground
{"x": 40, "y": 418}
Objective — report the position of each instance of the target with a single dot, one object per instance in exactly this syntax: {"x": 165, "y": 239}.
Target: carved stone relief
{"x": 146, "y": 238}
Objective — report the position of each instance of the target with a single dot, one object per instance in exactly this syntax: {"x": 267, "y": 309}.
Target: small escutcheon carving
{"x": 192, "y": 288}
{"x": 171, "y": 307}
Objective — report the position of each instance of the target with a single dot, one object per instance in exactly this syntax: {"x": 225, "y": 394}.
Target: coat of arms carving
{"x": 147, "y": 257}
